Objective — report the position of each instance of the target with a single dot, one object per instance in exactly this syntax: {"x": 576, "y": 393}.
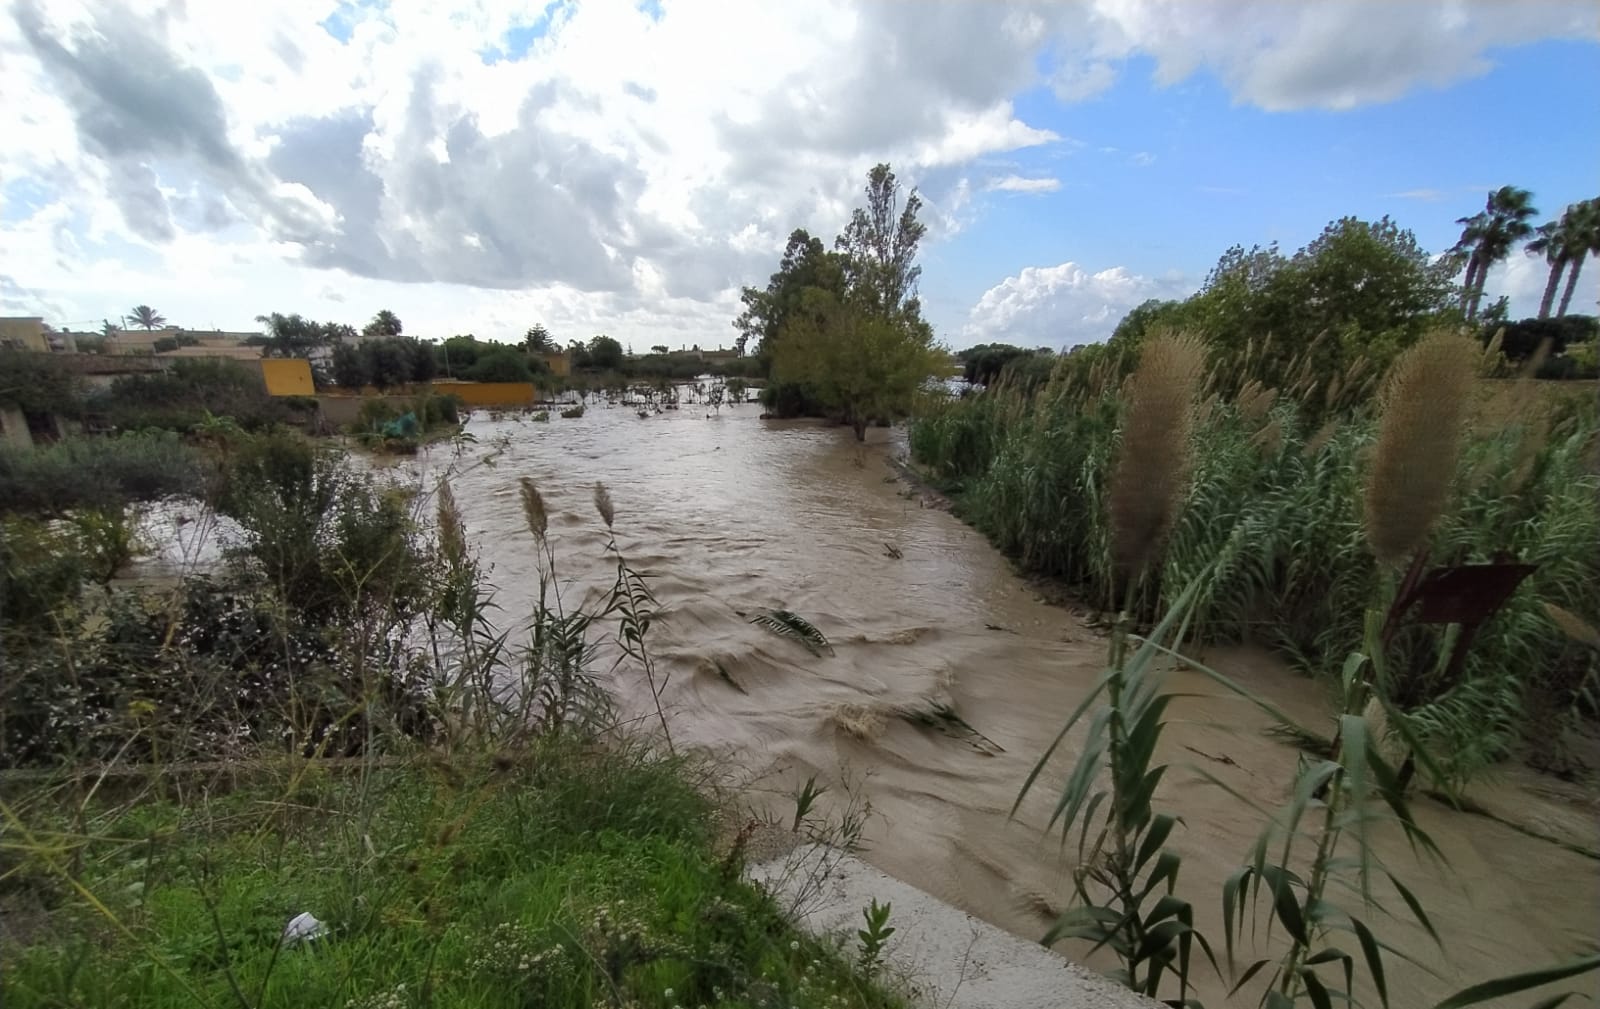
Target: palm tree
{"x": 385, "y": 323}
{"x": 147, "y": 317}
{"x": 1489, "y": 237}
{"x": 1581, "y": 226}
{"x": 1552, "y": 244}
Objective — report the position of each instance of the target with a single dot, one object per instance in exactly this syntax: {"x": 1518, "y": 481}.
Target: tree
{"x": 605, "y": 354}
{"x": 880, "y": 249}
{"x": 981, "y": 364}
{"x": 385, "y": 323}
{"x": 296, "y": 336}
{"x": 108, "y": 328}
{"x": 147, "y": 317}
{"x": 424, "y": 366}
{"x": 1551, "y": 244}
{"x": 1488, "y": 238}
{"x": 1582, "y": 232}
{"x": 539, "y": 341}
{"x": 855, "y": 361}
{"x": 350, "y": 369}
{"x": 659, "y": 348}
{"x": 501, "y": 364}
{"x": 805, "y": 266}
{"x": 1144, "y": 317}
{"x": 1361, "y": 289}
{"x": 387, "y": 362}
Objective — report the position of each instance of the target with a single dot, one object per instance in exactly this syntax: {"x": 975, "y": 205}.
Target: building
{"x": 143, "y": 341}
{"x": 559, "y": 362}
{"x": 25, "y": 332}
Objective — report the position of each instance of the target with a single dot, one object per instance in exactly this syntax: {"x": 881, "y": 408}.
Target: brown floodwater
{"x": 730, "y": 514}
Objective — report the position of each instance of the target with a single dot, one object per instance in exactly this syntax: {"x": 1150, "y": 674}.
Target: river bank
{"x": 730, "y": 516}
{"x": 733, "y": 515}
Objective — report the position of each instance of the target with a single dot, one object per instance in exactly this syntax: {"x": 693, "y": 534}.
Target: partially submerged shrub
{"x": 105, "y": 473}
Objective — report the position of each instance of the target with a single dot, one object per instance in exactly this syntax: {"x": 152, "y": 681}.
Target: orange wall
{"x": 489, "y": 393}
{"x": 287, "y": 377}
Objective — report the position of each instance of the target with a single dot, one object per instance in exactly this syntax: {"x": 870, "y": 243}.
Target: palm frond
{"x": 787, "y": 624}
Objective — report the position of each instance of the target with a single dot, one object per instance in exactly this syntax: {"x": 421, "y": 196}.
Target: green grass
{"x": 568, "y": 875}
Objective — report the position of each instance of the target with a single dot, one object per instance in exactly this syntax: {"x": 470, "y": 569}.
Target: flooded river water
{"x": 730, "y": 514}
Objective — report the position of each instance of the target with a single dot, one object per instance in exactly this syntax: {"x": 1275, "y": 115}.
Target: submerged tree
{"x": 859, "y": 364}
{"x": 880, "y": 250}
{"x": 806, "y": 266}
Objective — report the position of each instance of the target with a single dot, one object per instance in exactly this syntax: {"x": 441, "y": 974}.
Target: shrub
{"x": 789, "y": 399}
{"x": 332, "y": 543}
{"x": 105, "y": 473}
{"x": 181, "y": 399}
{"x": 502, "y": 364}
{"x": 42, "y": 571}
{"x": 216, "y": 669}
{"x": 1521, "y": 340}
{"x": 38, "y": 383}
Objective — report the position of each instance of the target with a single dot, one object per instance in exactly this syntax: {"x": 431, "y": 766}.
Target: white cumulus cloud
{"x": 1063, "y": 306}
{"x": 633, "y": 167}
{"x": 1019, "y": 184}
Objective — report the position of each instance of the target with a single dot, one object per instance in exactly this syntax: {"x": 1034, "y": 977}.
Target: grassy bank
{"x": 1270, "y": 533}
{"x": 562, "y": 875}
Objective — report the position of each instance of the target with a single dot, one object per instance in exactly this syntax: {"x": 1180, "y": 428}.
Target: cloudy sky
{"x": 624, "y": 167}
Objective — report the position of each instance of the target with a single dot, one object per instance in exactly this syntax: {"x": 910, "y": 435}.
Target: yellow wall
{"x": 489, "y": 393}
{"x": 287, "y": 377}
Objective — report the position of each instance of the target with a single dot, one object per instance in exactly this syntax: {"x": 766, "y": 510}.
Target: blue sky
{"x": 1219, "y": 172}
{"x": 623, "y": 167}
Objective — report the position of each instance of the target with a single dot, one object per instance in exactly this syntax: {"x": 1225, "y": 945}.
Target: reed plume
{"x": 452, "y": 535}
{"x": 533, "y": 509}
{"x": 1422, "y": 407}
{"x": 1318, "y": 441}
{"x": 602, "y": 504}
{"x": 1153, "y": 460}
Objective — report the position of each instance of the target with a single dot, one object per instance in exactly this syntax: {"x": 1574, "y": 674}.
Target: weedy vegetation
{"x": 321, "y": 774}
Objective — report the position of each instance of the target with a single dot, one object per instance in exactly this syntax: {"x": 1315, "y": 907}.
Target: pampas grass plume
{"x": 1422, "y": 407}
{"x": 1154, "y": 456}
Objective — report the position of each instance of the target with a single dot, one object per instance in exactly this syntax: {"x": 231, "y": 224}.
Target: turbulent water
{"x": 730, "y": 514}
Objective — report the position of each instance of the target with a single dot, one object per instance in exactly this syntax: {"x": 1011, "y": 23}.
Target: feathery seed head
{"x": 1269, "y": 439}
{"x": 533, "y": 509}
{"x": 1153, "y": 458}
{"x": 1317, "y": 442}
{"x": 602, "y": 504}
{"x": 452, "y": 535}
{"x": 1419, "y": 438}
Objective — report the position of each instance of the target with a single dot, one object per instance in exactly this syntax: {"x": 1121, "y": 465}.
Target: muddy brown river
{"x": 730, "y": 514}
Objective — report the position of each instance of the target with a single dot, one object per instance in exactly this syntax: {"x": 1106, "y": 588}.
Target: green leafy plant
{"x": 873, "y": 938}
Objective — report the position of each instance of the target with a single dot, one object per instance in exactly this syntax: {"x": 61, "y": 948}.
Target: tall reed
{"x": 1124, "y": 882}
{"x": 1272, "y": 525}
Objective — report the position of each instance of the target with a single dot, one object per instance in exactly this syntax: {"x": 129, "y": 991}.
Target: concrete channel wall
{"x": 946, "y": 958}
